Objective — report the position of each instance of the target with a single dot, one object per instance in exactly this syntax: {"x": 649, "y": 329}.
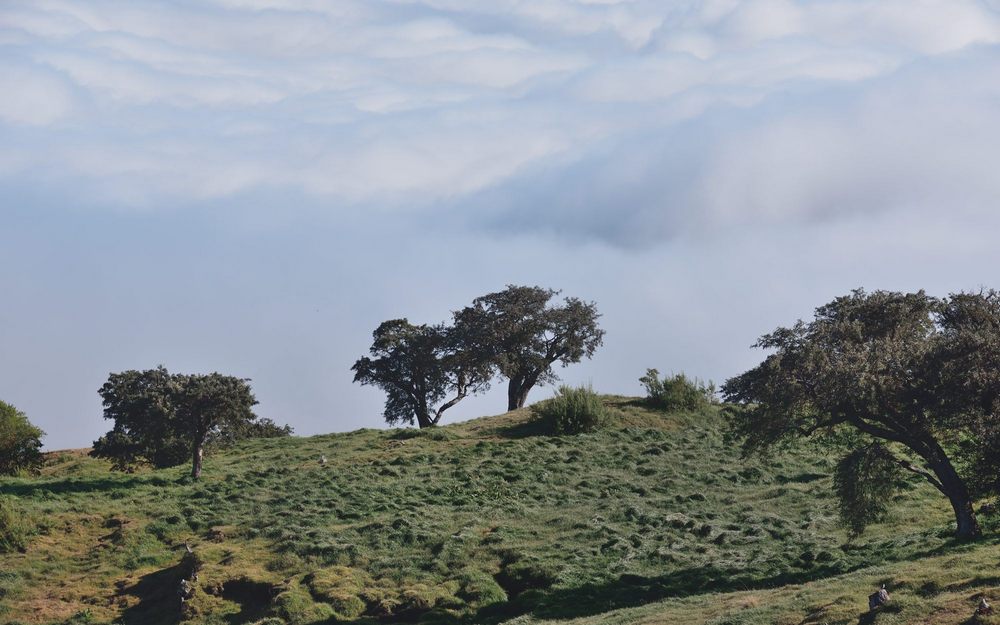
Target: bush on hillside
{"x": 20, "y": 442}
{"x": 677, "y": 392}
{"x": 14, "y": 527}
{"x": 571, "y": 411}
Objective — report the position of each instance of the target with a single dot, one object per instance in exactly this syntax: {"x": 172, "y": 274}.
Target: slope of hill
{"x": 655, "y": 519}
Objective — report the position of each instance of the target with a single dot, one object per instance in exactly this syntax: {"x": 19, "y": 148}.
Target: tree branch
{"x": 819, "y": 425}
{"x": 462, "y": 392}
{"x": 878, "y": 432}
{"x": 927, "y": 475}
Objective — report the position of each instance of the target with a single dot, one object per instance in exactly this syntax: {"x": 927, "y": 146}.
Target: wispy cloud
{"x": 405, "y": 104}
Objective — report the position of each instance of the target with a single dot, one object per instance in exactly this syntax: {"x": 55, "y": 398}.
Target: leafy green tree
{"x": 523, "y": 336}
{"x": 166, "y": 419}
{"x": 20, "y": 442}
{"x": 903, "y": 381}
{"x": 207, "y": 404}
{"x": 141, "y": 404}
{"x": 419, "y": 366}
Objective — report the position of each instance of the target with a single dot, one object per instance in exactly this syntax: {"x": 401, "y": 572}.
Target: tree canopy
{"x": 419, "y": 366}
{"x": 901, "y": 381}
{"x": 523, "y": 336}
{"x": 20, "y": 442}
{"x": 513, "y": 332}
{"x": 166, "y": 419}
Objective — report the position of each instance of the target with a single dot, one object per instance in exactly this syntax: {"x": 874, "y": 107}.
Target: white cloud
{"x": 33, "y": 95}
{"x": 401, "y": 104}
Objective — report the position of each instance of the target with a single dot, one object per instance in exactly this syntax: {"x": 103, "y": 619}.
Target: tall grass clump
{"x": 571, "y": 411}
{"x": 677, "y": 392}
{"x": 15, "y": 529}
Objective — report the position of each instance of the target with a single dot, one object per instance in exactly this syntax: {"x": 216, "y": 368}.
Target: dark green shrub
{"x": 571, "y": 411}
{"x": 15, "y": 529}
{"x": 20, "y": 442}
{"x": 677, "y": 392}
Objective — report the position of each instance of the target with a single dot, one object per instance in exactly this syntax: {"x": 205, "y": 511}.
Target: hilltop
{"x": 654, "y": 519}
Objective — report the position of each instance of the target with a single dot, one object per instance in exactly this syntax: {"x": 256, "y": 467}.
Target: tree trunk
{"x": 968, "y": 526}
{"x": 197, "y": 454}
{"x": 955, "y": 489}
{"x": 424, "y": 419}
{"x": 961, "y": 502}
{"x": 517, "y": 393}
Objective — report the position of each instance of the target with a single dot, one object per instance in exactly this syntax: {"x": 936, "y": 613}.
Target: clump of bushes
{"x": 677, "y": 392}
{"x": 571, "y": 411}
{"x": 15, "y": 529}
{"x": 20, "y": 442}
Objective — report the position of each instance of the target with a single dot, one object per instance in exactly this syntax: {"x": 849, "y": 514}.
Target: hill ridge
{"x": 480, "y": 521}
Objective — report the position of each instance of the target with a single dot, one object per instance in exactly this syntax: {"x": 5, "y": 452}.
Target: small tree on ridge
{"x": 418, "y": 366}
{"x": 524, "y": 337}
{"x": 20, "y": 442}
{"x": 166, "y": 419}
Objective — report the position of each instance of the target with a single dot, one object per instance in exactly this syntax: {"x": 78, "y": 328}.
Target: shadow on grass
{"x": 254, "y": 599}
{"x": 159, "y": 602}
{"x": 522, "y": 429}
{"x": 867, "y": 618}
{"x": 632, "y": 590}
{"x": 628, "y": 591}
{"x": 81, "y": 485}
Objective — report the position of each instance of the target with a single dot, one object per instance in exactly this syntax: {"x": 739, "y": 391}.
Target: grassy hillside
{"x": 654, "y": 519}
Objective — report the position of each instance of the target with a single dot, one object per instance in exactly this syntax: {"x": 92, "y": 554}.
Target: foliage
{"x": 418, "y": 366}
{"x": 261, "y": 427}
{"x": 15, "y": 528}
{"x": 165, "y": 419}
{"x": 676, "y": 392}
{"x": 523, "y": 336}
{"x": 865, "y": 480}
{"x": 905, "y": 368}
{"x": 20, "y": 442}
{"x": 571, "y": 411}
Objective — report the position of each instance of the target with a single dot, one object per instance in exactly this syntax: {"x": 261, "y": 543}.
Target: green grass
{"x": 480, "y": 522}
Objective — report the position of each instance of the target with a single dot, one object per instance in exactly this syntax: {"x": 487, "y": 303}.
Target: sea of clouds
{"x": 705, "y": 170}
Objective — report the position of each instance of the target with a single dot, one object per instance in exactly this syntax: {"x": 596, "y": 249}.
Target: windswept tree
{"x": 524, "y": 336}
{"x": 20, "y": 442}
{"x": 205, "y": 405}
{"x": 423, "y": 369}
{"x": 167, "y": 419}
{"x": 901, "y": 381}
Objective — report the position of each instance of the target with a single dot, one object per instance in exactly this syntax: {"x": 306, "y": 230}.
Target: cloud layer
{"x": 252, "y": 185}
{"x": 405, "y": 105}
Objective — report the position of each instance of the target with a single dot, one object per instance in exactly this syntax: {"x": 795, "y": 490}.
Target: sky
{"x": 252, "y": 186}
